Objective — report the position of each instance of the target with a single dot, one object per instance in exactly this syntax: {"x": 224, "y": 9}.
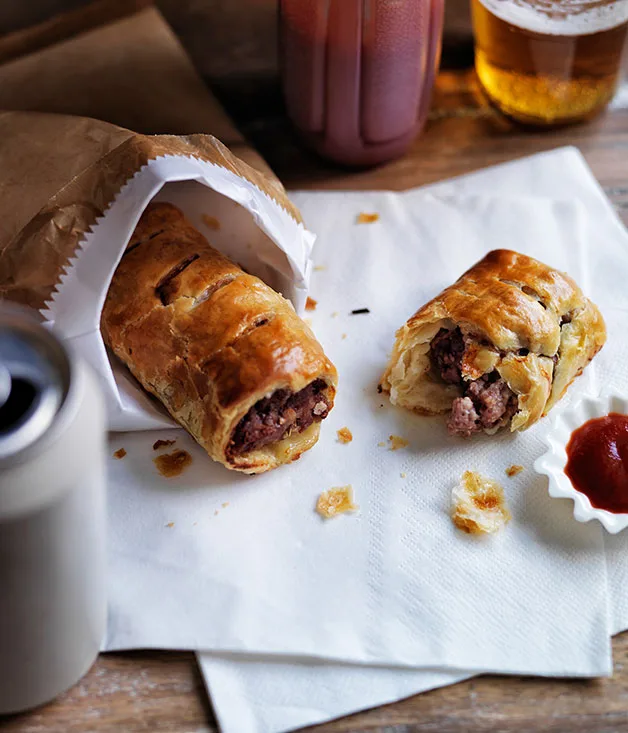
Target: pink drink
{"x": 358, "y": 74}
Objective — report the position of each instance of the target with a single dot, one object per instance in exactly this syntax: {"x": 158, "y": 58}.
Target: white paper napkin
{"x": 258, "y": 694}
{"x": 395, "y": 584}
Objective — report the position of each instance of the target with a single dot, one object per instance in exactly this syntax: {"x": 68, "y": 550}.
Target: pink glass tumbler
{"x": 358, "y": 74}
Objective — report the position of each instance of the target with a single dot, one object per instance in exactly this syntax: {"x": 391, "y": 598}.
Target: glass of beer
{"x": 549, "y": 62}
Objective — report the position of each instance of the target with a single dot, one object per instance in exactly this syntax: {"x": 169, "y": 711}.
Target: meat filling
{"x": 487, "y": 402}
{"x": 274, "y": 418}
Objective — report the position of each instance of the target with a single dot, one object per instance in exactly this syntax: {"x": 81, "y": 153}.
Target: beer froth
{"x": 573, "y": 18}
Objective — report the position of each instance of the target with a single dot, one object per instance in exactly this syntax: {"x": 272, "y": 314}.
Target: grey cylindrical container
{"x": 52, "y": 514}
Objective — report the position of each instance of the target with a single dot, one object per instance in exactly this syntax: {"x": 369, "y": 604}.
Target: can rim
{"x": 25, "y": 442}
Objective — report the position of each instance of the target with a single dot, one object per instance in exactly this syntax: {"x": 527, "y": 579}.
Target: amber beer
{"x": 549, "y": 62}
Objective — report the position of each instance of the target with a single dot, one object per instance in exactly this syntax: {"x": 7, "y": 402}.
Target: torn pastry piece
{"x": 333, "y": 502}
{"x": 227, "y": 355}
{"x": 479, "y": 505}
{"x": 498, "y": 348}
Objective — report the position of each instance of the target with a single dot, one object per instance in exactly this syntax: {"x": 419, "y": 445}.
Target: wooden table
{"x": 153, "y": 691}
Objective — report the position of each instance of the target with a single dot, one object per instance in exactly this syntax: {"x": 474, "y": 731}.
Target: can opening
{"x": 18, "y": 404}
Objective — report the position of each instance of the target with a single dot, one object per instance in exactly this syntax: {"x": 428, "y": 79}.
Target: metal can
{"x": 52, "y": 514}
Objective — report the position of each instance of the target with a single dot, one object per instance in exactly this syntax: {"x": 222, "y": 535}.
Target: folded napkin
{"x": 238, "y": 564}
{"x": 261, "y": 694}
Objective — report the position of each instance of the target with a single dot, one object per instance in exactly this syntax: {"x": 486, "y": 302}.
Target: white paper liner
{"x": 255, "y": 231}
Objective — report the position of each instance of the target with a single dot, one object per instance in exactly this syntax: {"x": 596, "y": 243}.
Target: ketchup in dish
{"x": 597, "y": 462}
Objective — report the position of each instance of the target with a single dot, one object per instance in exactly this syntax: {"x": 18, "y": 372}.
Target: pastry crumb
{"x": 211, "y": 222}
{"x": 344, "y": 336}
{"x": 479, "y": 505}
{"x": 344, "y": 435}
{"x": 334, "y": 314}
{"x": 364, "y": 218}
{"x": 225, "y": 504}
{"x": 215, "y": 512}
{"x": 162, "y": 443}
{"x": 513, "y": 470}
{"x": 310, "y": 304}
{"x": 381, "y": 444}
{"x": 403, "y": 475}
{"x": 397, "y": 442}
{"x": 119, "y": 454}
{"x": 319, "y": 268}
{"x": 170, "y": 524}
{"x": 337, "y": 500}
{"x": 173, "y": 464}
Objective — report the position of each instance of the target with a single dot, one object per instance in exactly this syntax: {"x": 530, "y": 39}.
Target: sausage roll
{"x": 227, "y": 355}
{"x": 498, "y": 347}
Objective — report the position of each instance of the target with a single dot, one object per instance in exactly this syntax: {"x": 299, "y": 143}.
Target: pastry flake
{"x": 364, "y": 218}
{"x": 344, "y": 435}
{"x": 513, "y": 470}
{"x": 496, "y": 349}
{"x": 397, "y": 442}
{"x": 335, "y": 501}
{"x": 479, "y": 505}
{"x": 119, "y": 454}
{"x": 310, "y": 304}
{"x": 163, "y": 444}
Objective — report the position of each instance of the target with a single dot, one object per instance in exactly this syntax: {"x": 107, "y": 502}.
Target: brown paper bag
{"x": 70, "y": 190}
{"x": 59, "y": 173}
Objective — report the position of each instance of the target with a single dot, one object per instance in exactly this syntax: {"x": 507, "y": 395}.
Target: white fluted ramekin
{"x": 563, "y": 421}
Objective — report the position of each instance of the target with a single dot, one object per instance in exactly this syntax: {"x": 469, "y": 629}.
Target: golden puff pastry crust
{"x": 227, "y": 356}
{"x": 500, "y": 346}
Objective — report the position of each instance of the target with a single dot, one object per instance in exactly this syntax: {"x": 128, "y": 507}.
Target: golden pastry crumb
{"x": 319, "y": 268}
{"x": 363, "y": 218}
{"x": 397, "y": 442}
{"x": 310, "y": 304}
{"x": 344, "y": 336}
{"x": 335, "y": 501}
{"x": 403, "y": 475}
{"x": 225, "y": 504}
{"x": 344, "y": 435}
{"x": 170, "y": 524}
{"x": 381, "y": 444}
{"x": 479, "y": 505}
{"x": 119, "y": 454}
{"x": 162, "y": 443}
{"x": 211, "y": 222}
{"x": 173, "y": 464}
{"x": 513, "y": 470}
{"x": 334, "y": 314}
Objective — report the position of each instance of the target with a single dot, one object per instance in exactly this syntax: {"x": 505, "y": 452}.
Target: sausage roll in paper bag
{"x": 497, "y": 348}
{"x": 118, "y": 222}
{"x": 227, "y": 355}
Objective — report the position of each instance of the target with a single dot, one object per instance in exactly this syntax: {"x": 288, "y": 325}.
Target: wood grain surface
{"x": 154, "y": 691}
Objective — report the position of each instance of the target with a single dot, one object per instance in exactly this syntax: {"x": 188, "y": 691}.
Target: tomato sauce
{"x": 597, "y": 462}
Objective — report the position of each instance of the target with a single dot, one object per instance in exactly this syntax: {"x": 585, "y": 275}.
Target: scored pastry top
{"x": 516, "y": 302}
{"x": 210, "y": 340}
